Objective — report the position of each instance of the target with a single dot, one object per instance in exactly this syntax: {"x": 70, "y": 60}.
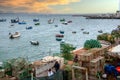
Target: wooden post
{"x": 86, "y": 74}
{"x": 81, "y": 68}
{"x": 73, "y": 74}
{"x": 31, "y": 75}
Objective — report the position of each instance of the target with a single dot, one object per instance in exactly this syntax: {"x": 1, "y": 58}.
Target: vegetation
{"x": 17, "y": 65}
{"x": 67, "y": 72}
{"x": 115, "y": 34}
{"x": 92, "y": 44}
{"x": 8, "y": 68}
{"x": 66, "y": 50}
{"x": 107, "y": 37}
{"x": 103, "y": 36}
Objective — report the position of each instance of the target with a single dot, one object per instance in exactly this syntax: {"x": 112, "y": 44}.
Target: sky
{"x": 59, "y": 6}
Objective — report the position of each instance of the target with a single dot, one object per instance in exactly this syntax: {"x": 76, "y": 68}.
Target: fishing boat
{"x": 12, "y": 25}
{"x": 35, "y": 20}
{"x": 85, "y": 32}
{"x": 82, "y": 29}
{"x": 37, "y": 24}
{"x": 56, "y": 25}
{"x": 61, "y": 32}
{"x": 62, "y": 20}
{"x": 34, "y": 42}
{"x": 58, "y": 39}
{"x": 15, "y": 20}
{"x": 30, "y": 27}
{"x": 69, "y": 22}
{"x": 59, "y": 35}
{"x": 100, "y": 31}
{"x": 65, "y": 23}
{"x": 23, "y": 22}
{"x": 2, "y": 20}
{"x": 74, "y": 32}
{"x": 51, "y": 21}
{"x": 15, "y": 35}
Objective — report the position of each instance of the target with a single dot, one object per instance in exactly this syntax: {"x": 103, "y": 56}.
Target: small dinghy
{"x": 15, "y": 35}
{"x": 34, "y": 42}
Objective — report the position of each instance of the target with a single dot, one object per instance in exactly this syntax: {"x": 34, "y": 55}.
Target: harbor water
{"x": 45, "y": 34}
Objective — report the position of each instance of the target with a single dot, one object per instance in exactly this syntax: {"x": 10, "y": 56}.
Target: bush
{"x": 103, "y": 36}
{"x": 66, "y": 51}
{"x": 92, "y": 44}
{"x": 108, "y": 37}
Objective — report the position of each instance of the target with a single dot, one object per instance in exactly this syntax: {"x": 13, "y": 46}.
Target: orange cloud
{"x": 65, "y": 10}
{"x": 34, "y": 5}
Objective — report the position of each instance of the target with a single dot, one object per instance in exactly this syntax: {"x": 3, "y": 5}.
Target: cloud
{"x": 40, "y": 6}
{"x": 65, "y": 10}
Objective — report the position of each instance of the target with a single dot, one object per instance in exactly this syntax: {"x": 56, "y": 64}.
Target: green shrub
{"x": 66, "y": 51}
{"x": 92, "y": 44}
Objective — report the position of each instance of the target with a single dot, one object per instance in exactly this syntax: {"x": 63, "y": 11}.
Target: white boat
{"x": 34, "y": 42}
{"x": 15, "y": 35}
{"x": 65, "y": 23}
{"x": 51, "y": 21}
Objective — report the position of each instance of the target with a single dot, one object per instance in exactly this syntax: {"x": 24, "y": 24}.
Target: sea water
{"x": 45, "y": 34}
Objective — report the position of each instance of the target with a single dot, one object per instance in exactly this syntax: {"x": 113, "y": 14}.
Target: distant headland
{"x": 104, "y": 16}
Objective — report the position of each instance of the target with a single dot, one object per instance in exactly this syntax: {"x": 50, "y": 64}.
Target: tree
{"x": 66, "y": 50}
{"x": 92, "y": 44}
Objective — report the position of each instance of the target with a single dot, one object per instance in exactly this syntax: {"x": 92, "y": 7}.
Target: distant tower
{"x": 119, "y": 5}
{"x": 118, "y": 12}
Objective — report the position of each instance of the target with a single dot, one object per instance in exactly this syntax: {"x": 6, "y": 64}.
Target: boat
{"x": 23, "y": 22}
{"x": 61, "y": 32}
{"x": 82, "y": 29}
{"x": 50, "y": 21}
{"x": 85, "y": 32}
{"x": 15, "y": 20}
{"x": 30, "y": 27}
{"x": 12, "y": 25}
{"x": 69, "y": 22}
{"x": 65, "y": 23}
{"x": 37, "y": 24}
{"x": 35, "y": 20}
{"x": 2, "y": 20}
{"x": 62, "y": 20}
{"x": 59, "y": 35}
{"x": 34, "y": 42}
{"x": 15, "y": 35}
{"x": 56, "y": 25}
{"x": 58, "y": 39}
{"x": 74, "y": 32}
{"x": 100, "y": 31}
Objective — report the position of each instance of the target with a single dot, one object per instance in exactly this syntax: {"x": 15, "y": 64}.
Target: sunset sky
{"x": 59, "y": 6}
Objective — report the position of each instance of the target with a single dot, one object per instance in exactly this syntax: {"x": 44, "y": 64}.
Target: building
{"x": 42, "y": 66}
